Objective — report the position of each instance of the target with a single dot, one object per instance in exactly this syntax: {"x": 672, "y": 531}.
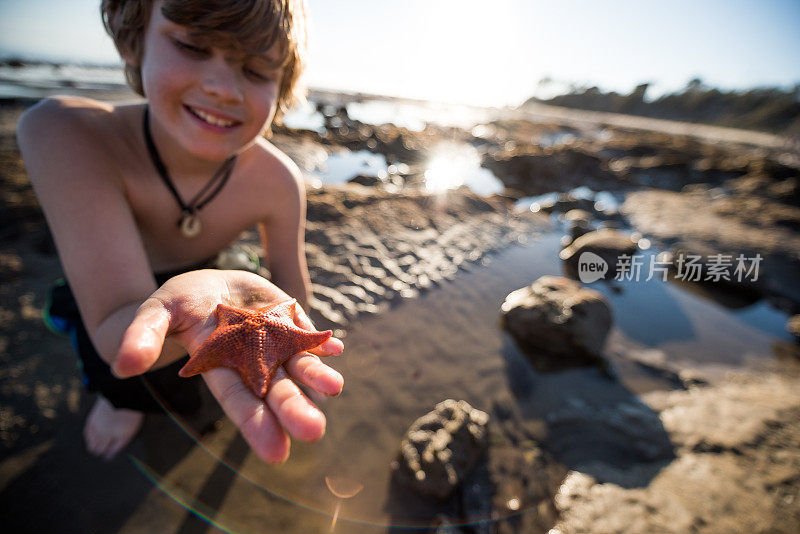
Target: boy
{"x": 113, "y": 181}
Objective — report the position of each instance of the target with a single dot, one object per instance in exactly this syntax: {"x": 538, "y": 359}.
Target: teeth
{"x": 211, "y": 119}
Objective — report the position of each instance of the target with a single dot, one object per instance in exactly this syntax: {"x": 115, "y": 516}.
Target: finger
{"x": 332, "y": 347}
{"x": 298, "y": 415}
{"x": 258, "y": 425}
{"x": 301, "y": 319}
{"x": 143, "y": 339}
{"x": 309, "y": 370}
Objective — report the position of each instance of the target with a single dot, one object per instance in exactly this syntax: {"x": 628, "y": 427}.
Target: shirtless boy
{"x": 161, "y": 186}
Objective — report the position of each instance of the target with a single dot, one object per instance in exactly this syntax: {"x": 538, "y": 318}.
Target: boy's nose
{"x": 221, "y": 80}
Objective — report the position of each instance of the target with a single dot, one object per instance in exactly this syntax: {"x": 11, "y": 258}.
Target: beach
{"x": 692, "y": 423}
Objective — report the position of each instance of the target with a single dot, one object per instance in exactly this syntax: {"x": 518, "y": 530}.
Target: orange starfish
{"x": 254, "y": 343}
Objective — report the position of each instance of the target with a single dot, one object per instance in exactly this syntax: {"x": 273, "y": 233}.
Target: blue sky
{"x": 484, "y": 52}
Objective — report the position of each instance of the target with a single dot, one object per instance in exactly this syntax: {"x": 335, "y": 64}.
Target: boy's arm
{"x": 83, "y": 197}
{"x": 283, "y": 236}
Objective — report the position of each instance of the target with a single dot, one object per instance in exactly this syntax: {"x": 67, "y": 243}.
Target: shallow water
{"x": 343, "y": 166}
{"x": 450, "y": 166}
{"x": 604, "y": 200}
{"x": 415, "y": 115}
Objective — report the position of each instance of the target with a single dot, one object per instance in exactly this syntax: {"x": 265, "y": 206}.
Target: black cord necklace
{"x": 189, "y": 223}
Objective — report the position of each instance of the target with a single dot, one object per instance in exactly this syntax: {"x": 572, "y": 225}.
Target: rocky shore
{"x": 553, "y": 445}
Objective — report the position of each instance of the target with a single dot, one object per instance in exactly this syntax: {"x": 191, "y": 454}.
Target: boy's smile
{"x": 207, "y": 103}
{"x": 212, "y": 118}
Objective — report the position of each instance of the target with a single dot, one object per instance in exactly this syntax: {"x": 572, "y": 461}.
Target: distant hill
{"x": 768, "y": 109}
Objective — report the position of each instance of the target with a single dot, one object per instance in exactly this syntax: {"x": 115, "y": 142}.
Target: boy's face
{"x": 211, "y": 102}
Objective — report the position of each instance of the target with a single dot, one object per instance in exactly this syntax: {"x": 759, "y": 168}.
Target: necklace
{"x": 189, "y": 223}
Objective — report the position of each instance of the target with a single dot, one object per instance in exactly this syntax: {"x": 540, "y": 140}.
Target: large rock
{"x": 732, "y": 278}
{"x": 579, "y": 222}
{"x": 550, "y": 169}
{"x": 558, "y": 323}
{"x": 374, "y": 181}
{"x": 608, "y": 244}
{"x": 441, "y": 448}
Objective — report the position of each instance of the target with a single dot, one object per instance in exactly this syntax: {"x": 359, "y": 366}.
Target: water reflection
{"x": 692, "y": 324}
{"x": 555, "y": 139}
{"x": 415, "y": 115}
{"x": 604, "y": 200}
{"x": 343, "y": 166}
{"x": 305, "y": 117}
{"x": 454, "y": 165}
{"x": 647, "y": 312}
{"x": 450, "y": 166}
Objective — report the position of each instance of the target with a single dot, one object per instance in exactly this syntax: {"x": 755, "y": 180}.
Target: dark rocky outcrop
{"x": 558, "y": 323}
{"x": 607, "y": 244}
{"x": 441, "y": 447}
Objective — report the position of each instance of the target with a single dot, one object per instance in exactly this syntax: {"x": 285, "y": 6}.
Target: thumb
{"x": 143, "y": 340}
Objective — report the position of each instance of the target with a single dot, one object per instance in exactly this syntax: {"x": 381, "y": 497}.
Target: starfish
{"x": 254, "y": 343}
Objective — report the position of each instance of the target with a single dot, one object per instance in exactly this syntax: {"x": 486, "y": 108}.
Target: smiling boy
{"x": 159, "y": 187}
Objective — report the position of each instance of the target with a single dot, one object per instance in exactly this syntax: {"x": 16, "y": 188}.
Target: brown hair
{"x": 250, "y": 26}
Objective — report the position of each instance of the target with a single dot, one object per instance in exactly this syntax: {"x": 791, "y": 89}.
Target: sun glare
{"x": 452, "y": 166}
{"x": 442, "y": 174}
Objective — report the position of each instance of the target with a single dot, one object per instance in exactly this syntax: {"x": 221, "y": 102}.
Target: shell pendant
{"x": 190, "y": 225}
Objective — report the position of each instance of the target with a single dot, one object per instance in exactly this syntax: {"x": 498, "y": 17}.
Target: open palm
{"x": 182, "y": 311}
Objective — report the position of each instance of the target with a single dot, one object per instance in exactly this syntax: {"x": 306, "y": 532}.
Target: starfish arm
{"x": 281, "y": 309}
{"x": 257, "y": 373}
{"x": 302, "y": 340}
{"x": 254, "y": 343}
{"x": 216, "y": 351}
{"x": 228, "y": 315}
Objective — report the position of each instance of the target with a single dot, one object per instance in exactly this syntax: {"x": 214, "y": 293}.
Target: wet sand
{"x": 632, "y": 454}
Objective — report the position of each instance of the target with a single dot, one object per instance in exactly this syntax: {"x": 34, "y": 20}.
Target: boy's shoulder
{"x": 79, "y": 114}
{"x": 70, "y": 123}
{"x": 272, "y": 168}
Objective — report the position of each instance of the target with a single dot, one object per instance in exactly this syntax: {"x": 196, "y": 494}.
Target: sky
{"x": 488, "y": 52}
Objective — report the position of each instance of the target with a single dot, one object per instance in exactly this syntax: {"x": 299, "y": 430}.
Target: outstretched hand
{"x": 182, "y": 311}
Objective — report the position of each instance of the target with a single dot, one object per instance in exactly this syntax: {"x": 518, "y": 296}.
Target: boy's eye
{"x": 259, "y": 75}
{"x": 189, "y": 47}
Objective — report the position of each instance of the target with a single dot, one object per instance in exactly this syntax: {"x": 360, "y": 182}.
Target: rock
{"x": 546, "y": 170}
{"x": 367, "y": 180}
{"x": 663, "y": 171}
{"x": 606, "y": 243}
{"x": 704, "y": 263}
{"x": 786, "y": 191}
{"x": 441, "y": 448}
{"x": 577, "y": 230}
{"x": 567, "y": 202}
{"x": 372, "y": 181}
{"x": 580, "y": 222}
{"x": 578, "y": 216}
{"x": 558, "y": 323}
{"x": 793, "y": 326}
